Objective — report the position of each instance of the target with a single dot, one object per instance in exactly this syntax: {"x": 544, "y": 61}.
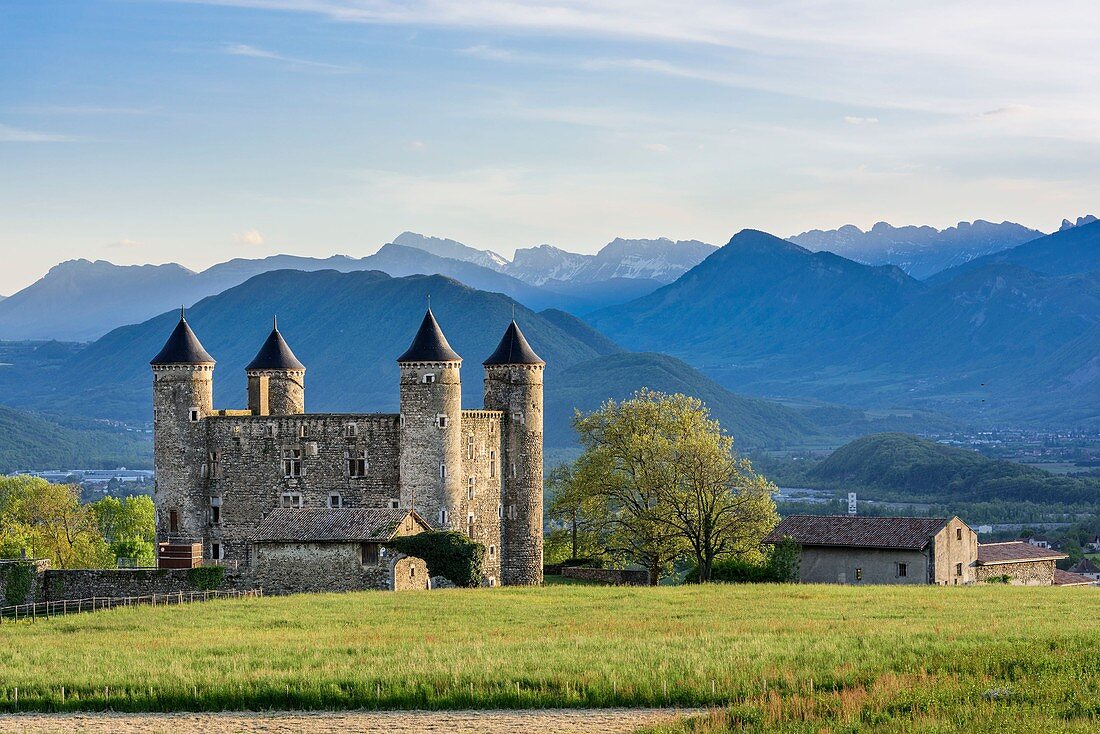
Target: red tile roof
{"x": 1014, "y": 552}
{"x": 909, "y": 533}
{"x": 1065, "y": 578}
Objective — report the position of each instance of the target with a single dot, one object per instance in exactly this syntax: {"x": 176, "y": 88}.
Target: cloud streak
{"x": 244, "y": 49}
{"x": 10, "y": 134}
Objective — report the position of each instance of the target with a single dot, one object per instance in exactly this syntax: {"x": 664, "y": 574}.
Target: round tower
{"x": 183, "y": 395}
{"x": 513, "y": 385}
{"x": 431, "y": 427}
{"x": 276, "y": 379}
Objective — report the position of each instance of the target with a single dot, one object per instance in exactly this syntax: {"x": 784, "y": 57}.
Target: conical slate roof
{"x": 429, "y": 344}
{"x": 513, "y": 349}
{"x": 182, "y": 347}
{"x": 275, "y": 354}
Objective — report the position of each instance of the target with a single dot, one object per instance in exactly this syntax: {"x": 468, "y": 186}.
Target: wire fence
{"x": 48, "y": 609}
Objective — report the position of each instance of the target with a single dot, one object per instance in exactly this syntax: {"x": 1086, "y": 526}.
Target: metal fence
{"x": 48, "y": 609}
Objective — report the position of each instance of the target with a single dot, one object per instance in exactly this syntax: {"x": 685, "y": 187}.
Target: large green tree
{"x": 44, "y": 520}
{"x": 663, "y": 481}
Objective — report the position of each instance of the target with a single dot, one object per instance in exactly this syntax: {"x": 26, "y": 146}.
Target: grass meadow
{"x": 774, "y": 658}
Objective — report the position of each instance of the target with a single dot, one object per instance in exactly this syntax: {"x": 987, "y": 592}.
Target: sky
{"x": 149, "y": 131}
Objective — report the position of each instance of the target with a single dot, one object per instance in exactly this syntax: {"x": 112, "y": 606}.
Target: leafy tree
{"x": 129, "y": 526}
{"x": 579, "y": 512}
{"x": 46, "y": 520}
{"x": 661, "y": 478}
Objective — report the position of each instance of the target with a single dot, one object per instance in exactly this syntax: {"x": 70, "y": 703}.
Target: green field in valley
{"x": 776, "y": 658}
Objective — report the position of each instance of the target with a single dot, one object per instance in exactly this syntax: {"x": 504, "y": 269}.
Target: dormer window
{"x": 428, "y": 378}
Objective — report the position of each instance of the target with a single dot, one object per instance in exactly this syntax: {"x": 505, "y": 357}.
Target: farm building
{"x": 1021, "y": 563}
{"x": 1087, "y": 567}
{"x": 847, "y": 549}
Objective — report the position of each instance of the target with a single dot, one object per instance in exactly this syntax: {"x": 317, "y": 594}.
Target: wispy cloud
{"x": 249, "y": 237}
{"x": 243, "y": 49}
{"x": 10, "y": 134}
{"x": 126, "y": 244}
{"x": 852, "y": 120}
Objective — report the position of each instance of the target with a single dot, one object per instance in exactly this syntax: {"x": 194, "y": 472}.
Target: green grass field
{"x": 779, "y": 658}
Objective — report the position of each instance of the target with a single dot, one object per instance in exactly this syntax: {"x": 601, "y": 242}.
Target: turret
{"x": 513, "y": 385}
{"x": 276, "y": 379}
{"x": 431, "y": 427}
{"x": 183, "y": 395}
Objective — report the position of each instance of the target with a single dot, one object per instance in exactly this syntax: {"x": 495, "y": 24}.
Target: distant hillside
{"x": 1066, "y": 252}
{"x": 906, "y": 466}
{"x": 585, "y": 386}
{"x": 766, "y": 317}
{"x": 919, "y": 251}
{"x": 29, "y": 441}
{"x": 348, "y": 328}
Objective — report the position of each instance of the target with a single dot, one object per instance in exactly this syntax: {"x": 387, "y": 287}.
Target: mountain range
{"x": 919, "y": 251}
{"x": 348, "y": 328}
{"x": 997, "y": 341}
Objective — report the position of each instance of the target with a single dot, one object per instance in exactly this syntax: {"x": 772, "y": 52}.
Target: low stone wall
{"x": 87, "y": 583}
{"x": 1024, "y": 573}
{"x": 615, "y": 577}
{"x": 15, "y": 587}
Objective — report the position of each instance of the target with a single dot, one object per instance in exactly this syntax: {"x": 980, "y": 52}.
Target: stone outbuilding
{"x": 1022, "y": 564}
{"x": 848, "y": 549}
{"x": 326, "y": 549}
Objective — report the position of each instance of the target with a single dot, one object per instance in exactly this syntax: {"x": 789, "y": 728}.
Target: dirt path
{"x": 557, "y": 721}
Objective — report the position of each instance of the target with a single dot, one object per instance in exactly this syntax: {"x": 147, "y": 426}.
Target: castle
{"x": 221, "y": 473}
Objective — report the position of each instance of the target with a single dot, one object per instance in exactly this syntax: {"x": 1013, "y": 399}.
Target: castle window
{"x": 492, "y": 551}
{"x": 470, "y": 488}
{"x": 369, "y": 554}
{"x": 470, "y": 525}
{"x": 492, "y": 581}
{"x": 217, "y": 552}
{"x": 395, "y": 504}
{"x": 511, "y": 512}
{"x": 214, "y": 459}
{"x": 412, "y": 571}
{"x": 492, "y": 464}
{"x": 958, "y": 533}
{"x": 215, "y": 510}
{"x": 173, "y": 521}
{"x": 443, "y": 518}
{"x": 469, "y": 447}
{"x": 517, "y": 417}
{"x": 401, "y": 420}
{"x": 958, "y": 569}
{"x": 441, "y": 421}
{"x": 442, "y": 471}
{"x": 428, "y": 379}
{"x": 303, "y": 431}
{"x": 500, "y": 512}
{"x": 357, "y": 464}
{"x": 292, "y": 499}
{"x": 271, "y": 430}
{"x": 513, "y": 470}
{"x": 351, "y": 430}
{"x": 335, "y": 501}
{"x": 292, "y": 462}
{"x": 193, "y": 415}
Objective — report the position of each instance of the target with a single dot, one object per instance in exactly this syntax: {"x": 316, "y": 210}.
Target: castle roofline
{"x": 275, "y": 354}
{"x": 182, "y": 347}
{"x": 513, "y": 349}
{"x": 429, "y": 344}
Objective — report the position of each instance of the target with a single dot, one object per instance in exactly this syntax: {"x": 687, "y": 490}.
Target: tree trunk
{"x": 654, "y": 572}
{"x": 574, "y": 534}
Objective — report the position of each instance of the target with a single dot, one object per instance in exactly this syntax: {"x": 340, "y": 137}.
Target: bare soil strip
{"x": 557, "y": 721}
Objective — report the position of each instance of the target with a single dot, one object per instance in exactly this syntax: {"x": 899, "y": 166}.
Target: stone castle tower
{"x": 479, "y": 472}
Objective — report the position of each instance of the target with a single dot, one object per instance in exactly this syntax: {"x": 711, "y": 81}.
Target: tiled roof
{"x": 324, "y": 525}
{"x": 1065, "y": 578}
{"x": 275, "y": 354}
{"x": 860, "y": 532}
{"x": 182, "y": 347}
{"x": 1085, "y": 565}
{"x": 1014, "y": 552}
{"x": 513, "y": 349}
{"x": 429, "y": 344}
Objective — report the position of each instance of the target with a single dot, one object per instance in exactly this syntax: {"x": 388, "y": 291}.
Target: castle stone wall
{"x": 516, "y": 390}
{"x": 426, "y": 446}
{"x": 180, "y": 393}
{"x": 289, "y": 568}
{"x": 481, "y": 465}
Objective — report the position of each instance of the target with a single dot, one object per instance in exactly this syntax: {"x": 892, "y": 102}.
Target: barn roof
{"x": 429, "y": 344}
{"x": 1014, "y": 551}
{"x": 330, "y": 525}
{"x": 1066, "y": 578}
{"x": 909, "y": 533}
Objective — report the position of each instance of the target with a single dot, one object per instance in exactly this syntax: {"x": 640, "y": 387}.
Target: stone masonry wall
{"x": 955, "y": 548}
{"x": 290, "y": 568}
{"x": 248, "y": 476}
{"x": 615, "y": 577}
{"x": 1024, "y": 573}
{"x": 516, "y": 390}
{"x": 75, "y": 584}
{"x": 179, "y": 446}
{"x": 432, "y": 480}
{"x": 482, "y": 501}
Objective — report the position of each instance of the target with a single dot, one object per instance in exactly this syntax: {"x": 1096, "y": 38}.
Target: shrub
{"x": 19, "y": 579}
{"x": 448, "y": 554}
{"x": 779, "y": 565}
{"x": 206, "y": 578}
